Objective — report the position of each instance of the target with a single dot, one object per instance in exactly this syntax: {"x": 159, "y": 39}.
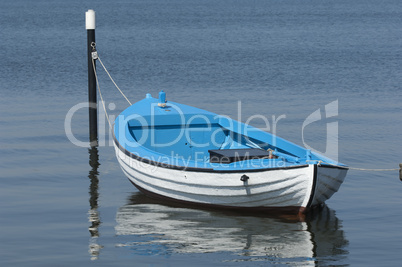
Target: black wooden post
{"x": 92, "y": 102}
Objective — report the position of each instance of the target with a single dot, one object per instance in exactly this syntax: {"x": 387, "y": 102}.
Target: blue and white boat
{"x": 186, "y": 154}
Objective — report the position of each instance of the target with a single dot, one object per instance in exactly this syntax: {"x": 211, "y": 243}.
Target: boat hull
{"x": 289, "y": 189}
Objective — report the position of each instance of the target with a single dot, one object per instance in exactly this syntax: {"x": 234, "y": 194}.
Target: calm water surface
{"x": 64, "y": 205}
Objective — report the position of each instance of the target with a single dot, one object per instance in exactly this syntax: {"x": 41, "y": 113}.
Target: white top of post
{"x": 90, "y": 20}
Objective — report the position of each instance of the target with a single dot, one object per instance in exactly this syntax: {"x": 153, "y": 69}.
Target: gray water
{"x": 65, "y": 205}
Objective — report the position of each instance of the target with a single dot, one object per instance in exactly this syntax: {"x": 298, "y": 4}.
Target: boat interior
{"x": 203, "y": 142}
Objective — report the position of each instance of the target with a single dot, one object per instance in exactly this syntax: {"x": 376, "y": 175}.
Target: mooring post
{"x": 92, "y": 102}
{"x": 400, "y": 171}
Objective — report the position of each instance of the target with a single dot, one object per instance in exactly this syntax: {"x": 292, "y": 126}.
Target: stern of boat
{"x": 328, "y": 179}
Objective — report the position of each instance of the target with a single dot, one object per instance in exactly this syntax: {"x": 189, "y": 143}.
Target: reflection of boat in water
{"x": 154, "y": 226}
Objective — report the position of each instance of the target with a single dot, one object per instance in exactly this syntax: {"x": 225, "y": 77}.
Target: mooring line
{"x": 351, "y": 168}
{"x": 100, "y": 61}
{"x": 100, "y": 93}
{"x": 95, "y": 56}
{"x": 110, "y": 125}
{"x": 373, "y": 170}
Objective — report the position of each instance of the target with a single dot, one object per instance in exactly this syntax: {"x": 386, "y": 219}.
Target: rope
{"x": 100, "y": 61}
{"x": 357, "y": 169}
{"x": 252, "y": 143}
{"x": 100, "y": 93}
{"x": 96, "y": 57}
{"x": 373, "y": 170}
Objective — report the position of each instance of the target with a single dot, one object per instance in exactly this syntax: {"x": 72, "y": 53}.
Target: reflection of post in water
{"x": 93, "y": 214}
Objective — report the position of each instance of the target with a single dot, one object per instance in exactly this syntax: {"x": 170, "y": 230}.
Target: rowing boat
{"x": 186, "y": 154}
